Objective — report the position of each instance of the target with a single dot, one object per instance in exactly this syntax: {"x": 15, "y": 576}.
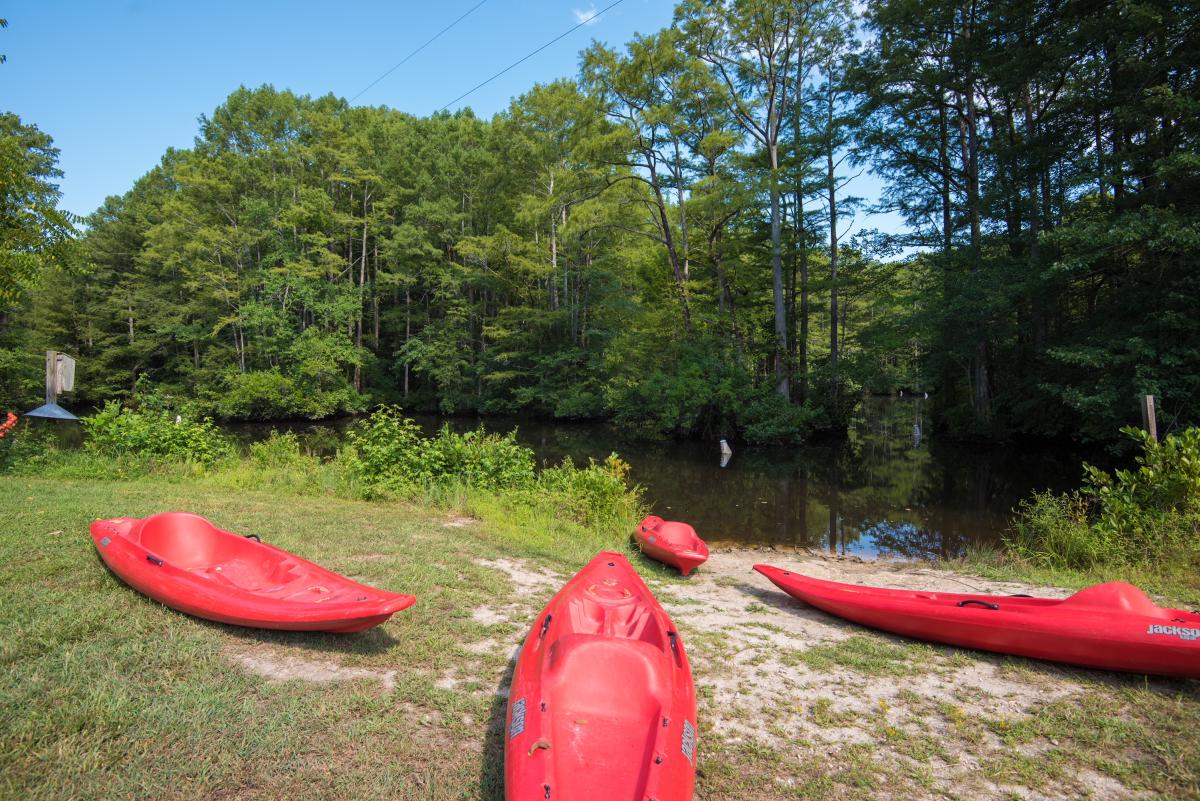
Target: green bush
{"x": 1054, "y": 531}
{"x": 389, "y": 453}
{"x": 114, "y": 431}
{"x": 594, "y": 494}
{"x": 279, "y": 451}
{"x": 271, "y": 395}
{"x": 1143, "y": 516}
{"x": 1155, "y": 506}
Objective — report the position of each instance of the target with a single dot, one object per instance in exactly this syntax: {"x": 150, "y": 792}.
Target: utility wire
{"x": 531, "y": 55}
{"x": 419, "y": 49}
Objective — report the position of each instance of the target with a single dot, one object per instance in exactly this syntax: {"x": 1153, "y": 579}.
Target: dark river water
{"x": 887, "y": 490}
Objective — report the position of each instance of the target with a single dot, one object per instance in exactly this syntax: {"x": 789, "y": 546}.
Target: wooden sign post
{"x": 1149, "y": 423}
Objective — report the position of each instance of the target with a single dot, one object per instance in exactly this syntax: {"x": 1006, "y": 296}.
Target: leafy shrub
{"x": 1155, "y": 506}
{"x": 1054, "y": 531}
{"x": 114, "y": 431}
{"x": 1149, "y": 514}
{"x": 593, "y": 494}
{"x": 257, "y": 395}
{"x": 279, "y": 451}
{"x": 689, "y": 389}
{"x": 271, "y": 395}
{"x": 390, "y": 453}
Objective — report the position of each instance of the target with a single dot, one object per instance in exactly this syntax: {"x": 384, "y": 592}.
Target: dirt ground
{"x": 832, "y": 704}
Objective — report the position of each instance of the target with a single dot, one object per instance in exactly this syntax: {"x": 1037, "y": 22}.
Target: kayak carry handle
{"x": 984, "y": 604}
{"x": 254, "y": 537}
{"x": 545, "y": 626}
{"x": 674, "y": 638}
{"x": 154, "y": 559}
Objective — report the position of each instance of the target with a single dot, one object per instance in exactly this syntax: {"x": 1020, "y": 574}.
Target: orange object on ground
{"x": 602, "y": 705}
{"x": 185, "y": 562}
{"x": 1112, "y": 626}
{"x": 672, "y": 543}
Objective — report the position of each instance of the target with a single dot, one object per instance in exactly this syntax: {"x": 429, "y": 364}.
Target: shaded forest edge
{"x": 665, "y": 241}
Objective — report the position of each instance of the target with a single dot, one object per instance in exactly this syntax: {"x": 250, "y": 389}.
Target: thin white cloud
{"x": 589, "y": 16}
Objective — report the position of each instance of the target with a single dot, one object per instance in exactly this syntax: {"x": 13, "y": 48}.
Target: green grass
{"x": 868, "y": 654}
{"x": 1171, "y": 582}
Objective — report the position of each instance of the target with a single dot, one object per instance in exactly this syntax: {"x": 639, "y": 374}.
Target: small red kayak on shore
{"x": 185, "y": 562}
{"x": 1111, "y": 626}
{"x": 672, "y": 543}
{"x": 602, "y": 705}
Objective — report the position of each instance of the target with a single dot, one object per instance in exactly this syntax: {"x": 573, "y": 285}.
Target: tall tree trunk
{"x": 782, "y": 386}
{"x": 981, "y": 394}
{"x": 407, "y": 333}
{"x": 831, "y": 190}
{"x": 799, "y": 233}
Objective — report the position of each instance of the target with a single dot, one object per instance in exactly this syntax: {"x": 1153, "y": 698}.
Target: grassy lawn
{"x": 106, "y": 694}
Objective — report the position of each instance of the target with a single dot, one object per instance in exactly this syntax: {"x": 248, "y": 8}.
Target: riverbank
{"x": 107, "y": 694}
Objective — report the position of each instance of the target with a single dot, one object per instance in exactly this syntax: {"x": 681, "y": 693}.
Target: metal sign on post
{"x": 60, "y": 377}
{"x": 65, "y": 373}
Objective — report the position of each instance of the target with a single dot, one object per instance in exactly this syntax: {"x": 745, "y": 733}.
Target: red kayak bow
{"x": 1112, "y": 626}
{"x": 672, "y": 543}
{"x": 602, "y": 706}
{"x": 185, "y": 562}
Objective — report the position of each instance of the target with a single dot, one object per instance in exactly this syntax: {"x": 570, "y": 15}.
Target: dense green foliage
{"x": 391, "y": 453}
{"x": 114, "y": 431}
{"x": 385, "y": 456}
{"x": 1147, "y": 516}
{"x": 667, "y": 240}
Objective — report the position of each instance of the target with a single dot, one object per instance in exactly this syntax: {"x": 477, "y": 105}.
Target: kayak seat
{"x": 188, "y": 541}
{"x": 681, "y": 535}
{"x": 1116, "y": 596}
{"x": 609, "y": 698}
{"x": 623, "y": 618}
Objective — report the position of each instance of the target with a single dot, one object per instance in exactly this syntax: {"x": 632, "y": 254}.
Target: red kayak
{"x": 674, "y": 544}
{"x": 602, "y": 706}
{"x": 1112, "y": 626}
{"x": 187, "y": 563}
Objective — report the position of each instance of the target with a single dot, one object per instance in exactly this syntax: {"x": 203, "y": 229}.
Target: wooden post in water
{"x": 1149, "y": 423}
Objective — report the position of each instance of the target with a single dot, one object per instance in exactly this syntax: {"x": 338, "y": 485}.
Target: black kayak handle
{"x": 154, "y": 559}
{"x": 984, "y": 604}
{"x": 254, "y": 537}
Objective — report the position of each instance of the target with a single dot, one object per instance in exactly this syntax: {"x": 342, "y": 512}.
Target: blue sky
{"x": 118, "y": 83}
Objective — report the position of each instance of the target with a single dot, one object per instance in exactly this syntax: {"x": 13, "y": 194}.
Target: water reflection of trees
{"x": 888, "y": 489}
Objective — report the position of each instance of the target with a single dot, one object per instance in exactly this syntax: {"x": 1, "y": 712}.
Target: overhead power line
{"x": 531, "y": 55}
{"x": 431, "y": 40}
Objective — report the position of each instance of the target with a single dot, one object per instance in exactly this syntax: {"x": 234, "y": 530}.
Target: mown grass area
{"x": 106, "y": 694}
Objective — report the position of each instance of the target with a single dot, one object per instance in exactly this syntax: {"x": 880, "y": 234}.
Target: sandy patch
{"x": 746, "y": 641}
{"x": 277, "y": 666}
{"x": 486, "y": 616}
{"x": 483, "y": 647}
{"x": 926, "y": 715}
{"x": 460, "y": 522}
{"x": 526, "y": 579}
{"x": 448, "y": 681}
